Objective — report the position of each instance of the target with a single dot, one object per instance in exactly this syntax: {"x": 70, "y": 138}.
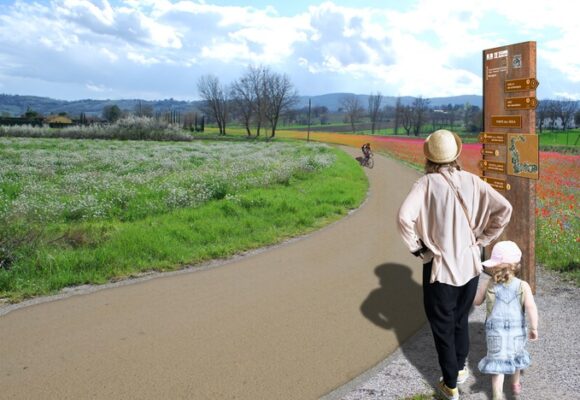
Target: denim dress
{"x": 505, "y": 330}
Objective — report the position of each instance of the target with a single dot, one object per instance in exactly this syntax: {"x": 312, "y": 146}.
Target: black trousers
{"x": 447, "y": 308}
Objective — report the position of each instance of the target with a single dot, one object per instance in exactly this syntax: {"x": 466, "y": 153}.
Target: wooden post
{"x": 508, "y": 137}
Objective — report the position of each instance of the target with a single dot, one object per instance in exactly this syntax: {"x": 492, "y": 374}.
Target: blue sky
{"x": 155, "y": 49}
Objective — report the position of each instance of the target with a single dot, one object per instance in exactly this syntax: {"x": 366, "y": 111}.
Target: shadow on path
{"x": 394, "y": 305}
{"x": 397, "y": 305}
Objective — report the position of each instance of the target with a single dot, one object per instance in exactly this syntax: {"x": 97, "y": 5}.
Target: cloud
{"x": 97, "y": 88}
{"x": 161, "y": 47}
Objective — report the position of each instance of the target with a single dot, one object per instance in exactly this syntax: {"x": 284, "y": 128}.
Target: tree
{"x": 472, "y": 118}
{"x": 553, "y": 110}
{"x": 542, "y": 114}
{"x": 215, "y": 100}
{"x": 256, "y": 77}
{"x": 31, "y": 114}
{"x": 143, "y": 110}
{"x": 398, "y": 112}
{"x": 111, "y": 113}
{"x": 375, "y": 109}
{"x": 244, "y": 99}
{"x": 438, "y": 119}
{"x": 279, "y": 96}
{"x": 476, "y": 120}
{"x": 407, "y": 118}
{"x": 352, "y": 109}
{"x": 567, "y": 110}
{"x": 420, "y": 107}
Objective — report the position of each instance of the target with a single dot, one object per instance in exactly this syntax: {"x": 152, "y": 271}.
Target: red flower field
{"x": 558, "y": 191}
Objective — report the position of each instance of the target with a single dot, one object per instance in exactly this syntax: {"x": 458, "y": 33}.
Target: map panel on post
{"x": 523, "y": 155}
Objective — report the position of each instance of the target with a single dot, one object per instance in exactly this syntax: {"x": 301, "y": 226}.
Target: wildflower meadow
{"x": 87, "y": 211}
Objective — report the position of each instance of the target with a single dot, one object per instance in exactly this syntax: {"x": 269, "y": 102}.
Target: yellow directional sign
{"x": 490, "y": 152}
{"x": 496, "y": 183}
{"x": 493, "y": 166}
{"x": 521, "y": 85}
{"x": 492, "y": 138}
{"x": 521, "y": 103}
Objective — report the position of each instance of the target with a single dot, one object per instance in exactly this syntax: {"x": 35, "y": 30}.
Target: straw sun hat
{"x": 442, "y": 146}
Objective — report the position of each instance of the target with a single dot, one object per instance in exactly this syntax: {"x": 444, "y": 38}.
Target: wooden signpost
{"x": 510, "y": 161}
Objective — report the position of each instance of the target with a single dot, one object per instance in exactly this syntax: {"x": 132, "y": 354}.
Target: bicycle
{"x": 368, "y": 161}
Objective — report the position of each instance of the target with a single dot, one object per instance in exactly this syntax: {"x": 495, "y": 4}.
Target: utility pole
{"x": 309, "y": 109}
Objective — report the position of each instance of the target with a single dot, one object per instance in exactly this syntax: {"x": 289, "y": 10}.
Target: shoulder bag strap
{"x": 462, "y": 203}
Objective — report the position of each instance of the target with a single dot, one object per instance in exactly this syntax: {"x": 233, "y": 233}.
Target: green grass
{"x": 98, "y": 251}
{"x": 568, "y": 138}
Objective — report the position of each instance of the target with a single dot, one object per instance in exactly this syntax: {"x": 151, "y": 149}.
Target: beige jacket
{"x": 432, "y": 213}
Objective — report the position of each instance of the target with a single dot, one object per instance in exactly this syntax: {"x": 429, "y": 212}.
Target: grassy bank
{"x": 176, "y": 204}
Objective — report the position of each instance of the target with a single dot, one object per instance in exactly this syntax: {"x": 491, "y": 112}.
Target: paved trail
{"x": 293, "y": 322}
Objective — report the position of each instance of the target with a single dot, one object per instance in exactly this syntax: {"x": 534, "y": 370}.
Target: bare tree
{"x": 451, "y": 112}
{"x": 215, "y": 99}
{"x": 398, "y": 112}
{"x": 375, "y": 109}
{"x": 567, "y": 110}
{"x": 143, "y": 110}
{"x": 553, "y": 113}
{"x": 279, "y": 96}
{"x": 420, "y": 107}
{"x": 542, "y": 114}
{"x": 438, "y": 119}
{"x": 244, "y": 100}
{"x": 256, "y": 77}
{"x": 352, "y": 108}
{"x": 407, "y": 118}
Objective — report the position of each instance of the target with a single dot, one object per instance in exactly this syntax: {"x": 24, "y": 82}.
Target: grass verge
{"x": 95, "y": 252}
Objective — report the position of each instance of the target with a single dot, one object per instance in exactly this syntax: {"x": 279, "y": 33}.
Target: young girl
{"x": 508, "y": 301}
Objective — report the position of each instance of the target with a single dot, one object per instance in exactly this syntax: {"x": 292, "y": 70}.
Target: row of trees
{"x": 413, "y": 118}
{"x": 557, "y": 114}
{"x": 258, "y": 98}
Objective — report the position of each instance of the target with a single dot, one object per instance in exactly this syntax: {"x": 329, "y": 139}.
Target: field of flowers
{"x": 558, "y": 192}
{"x": 49, "y": 185}
{"x": 60, "y": 180}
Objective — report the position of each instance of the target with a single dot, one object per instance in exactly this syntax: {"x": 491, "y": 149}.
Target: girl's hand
{"x": 533, "y": 335}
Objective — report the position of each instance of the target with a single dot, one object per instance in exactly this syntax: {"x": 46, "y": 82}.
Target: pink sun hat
{"x": 506, "y": 252}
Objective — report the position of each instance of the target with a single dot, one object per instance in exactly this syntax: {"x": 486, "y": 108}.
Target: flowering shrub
{"x": 131, "y": 127}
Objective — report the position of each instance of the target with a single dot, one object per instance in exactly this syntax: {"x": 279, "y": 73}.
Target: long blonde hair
{"x": 502, "y": 273}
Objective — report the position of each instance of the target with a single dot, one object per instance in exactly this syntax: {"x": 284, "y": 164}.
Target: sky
{"x": 158, "y": 49}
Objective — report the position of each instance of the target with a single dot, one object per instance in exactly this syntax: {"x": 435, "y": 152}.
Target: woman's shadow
{"x": 397, "y": 305}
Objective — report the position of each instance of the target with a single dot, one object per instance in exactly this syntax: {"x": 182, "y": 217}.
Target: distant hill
{"x": 16, "y": 105}
{"x": 333, "y": 100}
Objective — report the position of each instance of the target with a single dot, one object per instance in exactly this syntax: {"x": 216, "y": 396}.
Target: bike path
{"x": 293, "y": 322}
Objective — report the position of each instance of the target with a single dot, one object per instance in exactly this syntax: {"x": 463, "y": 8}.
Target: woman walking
{"x": 447, "y": 216}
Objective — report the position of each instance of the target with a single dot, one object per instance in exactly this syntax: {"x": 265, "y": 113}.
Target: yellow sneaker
{"x": 446, "y": 393}
{"x": 462, "y": 375}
